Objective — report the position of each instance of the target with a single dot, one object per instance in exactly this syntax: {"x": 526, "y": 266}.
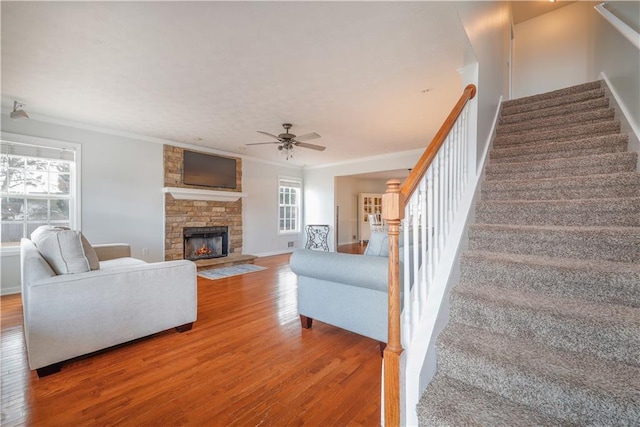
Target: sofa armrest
{"x": 355, "y": 270}
{"x": 112, "y": 251}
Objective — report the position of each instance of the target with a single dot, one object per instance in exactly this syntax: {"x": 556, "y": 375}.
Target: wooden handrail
{"x": 411, "y": 183}
{"x": 393, "y": 206}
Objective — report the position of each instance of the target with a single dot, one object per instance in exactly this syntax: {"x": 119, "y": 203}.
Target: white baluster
{"x": 436, "y": 209}
{"x": 446, "y": 182}
{"x": 430, "y": 216}
{"x": 465, "y": 141}
{"x": 441, "y": 203}
{"x": 406, "y": 282}
{"x": 415, "y": 200}
{"x": 424, "y": 292}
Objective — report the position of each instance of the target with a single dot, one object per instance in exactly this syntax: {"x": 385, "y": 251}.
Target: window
{"x": 289, "y": 205}
{"x": 38, "y": 187}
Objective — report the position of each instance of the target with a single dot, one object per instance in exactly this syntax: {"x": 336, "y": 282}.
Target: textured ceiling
{"x": 370, "y": 77}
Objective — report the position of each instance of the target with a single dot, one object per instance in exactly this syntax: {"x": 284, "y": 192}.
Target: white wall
{"x": 574, "y": 45}
{"x": 616, "y": 59}
{"x": 347, "y": 189}
{"x": 319, "y": 185}
{"x": 552, "y": 50}
{"x": 122, "y": 199}
{"x": 488, "y": 28}
{"x": 260, "y": 209}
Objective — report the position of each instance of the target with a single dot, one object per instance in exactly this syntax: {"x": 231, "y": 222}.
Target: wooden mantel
{"x": 180, "y": 193}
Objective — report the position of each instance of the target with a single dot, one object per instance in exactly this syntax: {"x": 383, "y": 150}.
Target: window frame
{"x": 75, "y": 202}
{"x": 294, "y": 180}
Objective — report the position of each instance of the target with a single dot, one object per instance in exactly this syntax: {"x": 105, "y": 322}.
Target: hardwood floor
{"x": 246, "y": 362}
{"x": 353, "y": 248}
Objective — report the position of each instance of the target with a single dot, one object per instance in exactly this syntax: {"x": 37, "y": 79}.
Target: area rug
{"x": 235, "y": 270}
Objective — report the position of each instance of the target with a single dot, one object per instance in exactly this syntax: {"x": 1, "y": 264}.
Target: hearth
{"x": 205, "y": 242}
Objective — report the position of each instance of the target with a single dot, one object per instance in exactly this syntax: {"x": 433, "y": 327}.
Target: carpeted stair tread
{"x": 573, "y": 387}
{"x": 455, "y": 403}
{"x": 591, "y": 280}
{"x": 568, "y": 133}
{"x": 607, "y": 331}
{"x": 620, "y": 244}
{"x": 624, "y": 184}
{"x": 618, "y": 212}
{"x": 552, "y": 102}
{"x": 551, "y": 123}
{"x": 587, "y": 105}
{"x": 613, "y": 143}
{"x": 559, "y": 93}
{"x": 574, "y": 166}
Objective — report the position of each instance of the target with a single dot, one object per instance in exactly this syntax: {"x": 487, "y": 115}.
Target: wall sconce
{"x": 18, "y": 113}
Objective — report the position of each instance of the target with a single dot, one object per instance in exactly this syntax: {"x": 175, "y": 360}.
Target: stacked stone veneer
{"x": 197, "y": 213}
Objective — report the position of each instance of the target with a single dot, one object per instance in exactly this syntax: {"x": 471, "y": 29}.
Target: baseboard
{"x": 263, "y": 254}
{"x": 10, "y": 290}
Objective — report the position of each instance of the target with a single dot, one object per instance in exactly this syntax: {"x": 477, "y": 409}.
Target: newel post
{"x": 392, "y": 213}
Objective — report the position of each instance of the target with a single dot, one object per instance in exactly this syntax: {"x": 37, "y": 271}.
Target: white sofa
{"x": 69, "y": 315}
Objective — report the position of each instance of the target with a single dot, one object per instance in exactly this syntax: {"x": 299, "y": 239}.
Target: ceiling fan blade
{"x": 261, "y": 143}
{"x": 267, "y": 133}
{"x": 312, "y": 146}
{"x": 308, "y": 136}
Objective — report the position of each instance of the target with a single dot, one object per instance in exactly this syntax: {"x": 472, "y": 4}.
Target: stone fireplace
{"x": 198, "y": 211}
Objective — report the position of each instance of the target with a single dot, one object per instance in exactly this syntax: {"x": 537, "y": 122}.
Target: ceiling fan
{"x": 288, "y": 140}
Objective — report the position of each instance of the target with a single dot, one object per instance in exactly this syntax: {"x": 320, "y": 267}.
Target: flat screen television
{"x": 208, "y": 170}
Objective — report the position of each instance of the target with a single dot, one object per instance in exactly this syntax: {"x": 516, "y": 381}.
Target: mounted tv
{"x": 208, "y": 170}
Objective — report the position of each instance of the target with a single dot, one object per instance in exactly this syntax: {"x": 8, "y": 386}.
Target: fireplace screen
{"x": 205, "y": 242}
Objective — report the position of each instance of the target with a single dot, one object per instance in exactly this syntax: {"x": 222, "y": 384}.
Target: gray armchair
{"x": 345, "y": 290}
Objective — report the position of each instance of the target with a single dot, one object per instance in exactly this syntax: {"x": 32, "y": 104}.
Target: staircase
{"x": 545, "y": 322}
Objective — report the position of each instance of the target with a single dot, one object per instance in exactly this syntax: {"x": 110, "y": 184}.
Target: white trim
{"x": 76, "y": 192}
{"x": 135, "y": 136}
{"x": 10, "y": 290}
{"x": 624, "y": 29}
{"x": 623, "y": 109}
{"x": 273, "y": 253}
{"x": 179, "y": 193}
{"x": 300, "y": 203}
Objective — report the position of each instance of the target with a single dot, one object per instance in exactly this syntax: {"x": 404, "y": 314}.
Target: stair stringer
{"x": 624, "y": 115}
{"x": 418, "y": 360}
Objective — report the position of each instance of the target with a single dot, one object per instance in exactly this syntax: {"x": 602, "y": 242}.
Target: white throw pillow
{"x": 67, "y": 251}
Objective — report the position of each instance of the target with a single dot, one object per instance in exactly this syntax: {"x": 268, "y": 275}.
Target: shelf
{"x": 179, "y": 193}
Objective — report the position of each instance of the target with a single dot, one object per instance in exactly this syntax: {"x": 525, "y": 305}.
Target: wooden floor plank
{"x": 246, "y": 362}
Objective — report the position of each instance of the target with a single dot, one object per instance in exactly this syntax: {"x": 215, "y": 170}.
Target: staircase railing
{"x": 424, "y": 207}
{"x": 627, "y": 31}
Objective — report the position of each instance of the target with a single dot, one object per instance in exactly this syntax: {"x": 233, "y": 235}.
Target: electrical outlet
{"x": 145, "y": 251}
{"x": 290, "y": 244}
{"x": 354, "y": 237}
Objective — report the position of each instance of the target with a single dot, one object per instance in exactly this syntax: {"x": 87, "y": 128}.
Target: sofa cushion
{"x": 120, "y": 262}
{"x": 378, "y": 244}
{"x": 67, "y": 251}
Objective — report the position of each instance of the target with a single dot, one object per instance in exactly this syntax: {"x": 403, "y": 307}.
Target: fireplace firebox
{"x": 205, "y": 242}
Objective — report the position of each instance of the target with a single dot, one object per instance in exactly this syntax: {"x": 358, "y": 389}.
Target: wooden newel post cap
{"x": 393, "y": 202}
